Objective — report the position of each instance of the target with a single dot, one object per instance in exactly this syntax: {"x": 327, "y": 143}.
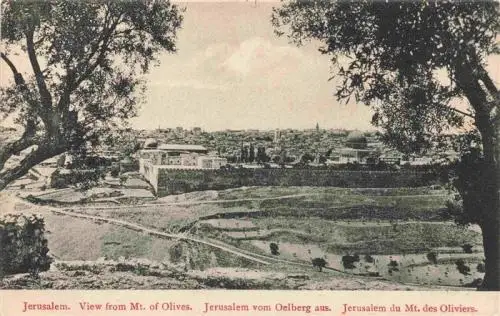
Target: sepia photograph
{"x": 304, "y": 145}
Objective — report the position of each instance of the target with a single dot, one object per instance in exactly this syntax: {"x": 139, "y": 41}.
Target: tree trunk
{"x": 489, "y": 128}
{"x": 490, "y": 224}
{"x": 491, "y": 242}
{"x": 31, "y": 160}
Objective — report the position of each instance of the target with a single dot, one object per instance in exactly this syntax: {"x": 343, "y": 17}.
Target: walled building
{"x": 356, "y": 150}
{"x": 156, "y": 160}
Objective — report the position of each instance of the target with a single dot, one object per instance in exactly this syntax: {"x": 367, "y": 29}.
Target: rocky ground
{"x": 136, "y": 275}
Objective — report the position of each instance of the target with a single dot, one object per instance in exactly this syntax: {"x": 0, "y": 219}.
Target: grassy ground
{"x": 327, "y": 203}
{"x": 367, "y": 237}
{"x": 78, "y": 239}
{"x": 306, "y": 222}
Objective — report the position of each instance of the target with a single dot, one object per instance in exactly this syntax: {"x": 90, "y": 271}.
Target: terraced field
{"x": 389, "y": 232}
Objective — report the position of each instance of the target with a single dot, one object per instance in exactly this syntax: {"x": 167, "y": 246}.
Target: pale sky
{"x": 232, "y": 72}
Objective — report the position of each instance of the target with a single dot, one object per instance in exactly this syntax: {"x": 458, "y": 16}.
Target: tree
{"x": 306, "y": 158}
{"x": 319, "y": 263}
{"x": 86, "y": 60}
{"x": 251, "y": 153}
{"x": 123, "y": 141}
{"x": 261, "y": 155}
{"x": 274, "y": 248}
{"x": 414, "y": 62}
{"x": 244, "y": 153}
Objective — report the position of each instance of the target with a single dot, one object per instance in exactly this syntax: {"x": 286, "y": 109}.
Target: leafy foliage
{"x": 274, "y": 248}
{"x": 404, "y": 58}
{"x": 319, "y": 263}
{"x": 23, "y": 245}
{"x": 87, "y": 58}
{"x": 432, "y": 257}
{"x": 414, "y": 63}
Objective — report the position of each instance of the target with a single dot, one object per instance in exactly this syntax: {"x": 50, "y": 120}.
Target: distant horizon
{"x": 256, "y": 129}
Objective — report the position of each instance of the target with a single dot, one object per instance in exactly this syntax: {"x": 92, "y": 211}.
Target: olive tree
{"x": 416, "y": 63}
{"x": 86, "y": 60}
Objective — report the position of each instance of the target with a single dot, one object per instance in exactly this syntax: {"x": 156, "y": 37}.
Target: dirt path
{"x": 156, "y": 232}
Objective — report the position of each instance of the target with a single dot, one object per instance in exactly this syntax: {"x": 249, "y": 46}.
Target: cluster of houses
{"x": 177, "y": 156}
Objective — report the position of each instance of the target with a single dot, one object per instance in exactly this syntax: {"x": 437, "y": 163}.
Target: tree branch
{"x": 18, "y": 78}
{"x": 31, "y": 160}
{"x": 462, "y": 112}
{"x": 13, "y": 148}
{"x": 488, "y": 82}
{"x": 20, "y": 82}
{"x": 72, "y": 82}
{"x": 102, "y": 51}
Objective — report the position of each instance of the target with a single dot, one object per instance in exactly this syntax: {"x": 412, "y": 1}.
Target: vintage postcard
{"x": 249, "y": 157}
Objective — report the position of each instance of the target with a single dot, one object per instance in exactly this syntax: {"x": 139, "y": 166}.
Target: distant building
{"x": 355, "y": 151}
{"x": 179, "y": 156}
{"x": 150, "y": 143}
{"x": 417, "y": 161}
{"x": 178, "y": 148}
{"x": 277, "y": 135}
{"x": 356, "y": 140}
{"x": 211, "y": 162}
{"x": 351, "y": 155}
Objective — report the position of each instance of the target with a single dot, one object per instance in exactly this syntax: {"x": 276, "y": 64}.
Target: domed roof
{"x": 356, "y": 139}
{"x": 150, "y": 143}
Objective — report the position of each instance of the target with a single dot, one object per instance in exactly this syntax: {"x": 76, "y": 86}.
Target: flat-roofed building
{"x": 211, "y": 162}
{"x": 180, "y": 148}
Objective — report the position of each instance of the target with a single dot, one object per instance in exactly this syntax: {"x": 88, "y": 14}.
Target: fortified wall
{"x": 174, "y": 181}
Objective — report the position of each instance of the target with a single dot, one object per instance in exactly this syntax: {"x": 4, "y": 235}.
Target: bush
{"x": 319, "y": 263}
{"x": 467, "y": 248}
{"x": 481, "y": 268}
{"x": 393, "y": 266}
{"x": 432, "y": 257}
{"x": 23, "y": 247}
{"x": 369, "y": 259}
{"x": 348, "y": 261}
{"x": 176, "y": 253}
{"x": 83, "y": 179}
{"x": 462, "y": 267}
{"x": 115, "y": 172}
{"x": 274, "y": 248}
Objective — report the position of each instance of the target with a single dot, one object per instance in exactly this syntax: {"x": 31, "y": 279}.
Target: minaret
{"x": 277, "y": 136}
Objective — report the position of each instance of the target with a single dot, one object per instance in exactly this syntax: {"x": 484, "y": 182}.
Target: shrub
{"x": 393, "y": 266}
{"x": 480, "y": 268}
{"x": 475, "y": 283}
{"x": 176, "y": 253}
{"x": 467, "y": 248}
{"x": 319, "y": 263}
{"x": 274, "y": 248}
{"x": 115, "y": 172}
{"x": 462, "y": 267}
{"x": 348, "y": 261}
{"x": 369, "y": 259}
{"x": 23, "y": 247}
